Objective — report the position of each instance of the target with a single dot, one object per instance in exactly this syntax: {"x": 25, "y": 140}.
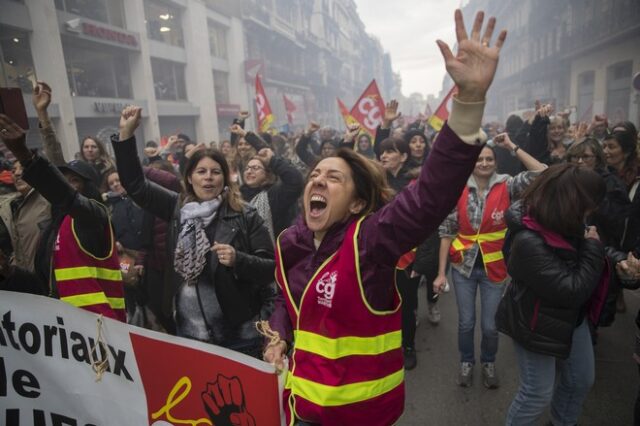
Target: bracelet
{"x": 515, "y": 151}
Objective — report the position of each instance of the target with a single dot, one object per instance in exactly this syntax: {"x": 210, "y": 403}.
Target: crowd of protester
{"x": 540, "y": 215}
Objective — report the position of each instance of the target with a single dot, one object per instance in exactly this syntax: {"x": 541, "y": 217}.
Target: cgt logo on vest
{"x": 497, "y": 216}
{"x": 326, "y": 287}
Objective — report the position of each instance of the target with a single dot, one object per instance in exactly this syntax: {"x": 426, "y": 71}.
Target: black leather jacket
{"x": 242, "y": 290}
{"x": 550, "y": 287}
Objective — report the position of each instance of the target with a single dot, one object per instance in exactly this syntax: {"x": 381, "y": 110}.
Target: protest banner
{"x": 60, "y": 365}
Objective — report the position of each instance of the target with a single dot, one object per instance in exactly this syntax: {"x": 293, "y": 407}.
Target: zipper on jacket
{"x": 534, "y": 319}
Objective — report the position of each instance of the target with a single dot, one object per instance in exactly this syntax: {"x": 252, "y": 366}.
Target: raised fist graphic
{"x": 224, "y": 402}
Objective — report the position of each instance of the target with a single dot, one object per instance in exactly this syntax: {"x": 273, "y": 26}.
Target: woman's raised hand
{"x": 129, "y": 121}
{"x": 475, "y": 63}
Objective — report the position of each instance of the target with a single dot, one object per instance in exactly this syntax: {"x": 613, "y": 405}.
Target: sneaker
{"x": 465, "y": 378}
{"x": 410, "y": 360}
{"x": 489, "y": 377}
{"x": 433, "y": 313}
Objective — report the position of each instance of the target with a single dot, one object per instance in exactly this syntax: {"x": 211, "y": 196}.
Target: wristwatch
{"x": 515, "y": 151}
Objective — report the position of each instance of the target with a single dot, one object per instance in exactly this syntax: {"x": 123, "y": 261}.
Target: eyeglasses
{"x": 254, "y": 168}
{"x": 583, "y": 158}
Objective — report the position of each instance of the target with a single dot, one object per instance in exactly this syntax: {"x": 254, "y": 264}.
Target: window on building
{"x": 168, "y": 80}
{"x": 618, "y": 90}
{"x": 107, "y": 11}
{"x": 221, "y": 87}
{"x": 163, "y": 23}
{"x": 586, "y": 81}
{"x": 16, "y": 68}
{"x": 218, "y": 40}
{"x": 98, "y": 73}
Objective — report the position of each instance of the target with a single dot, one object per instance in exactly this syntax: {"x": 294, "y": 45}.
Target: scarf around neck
{"x": 193, "y": 245}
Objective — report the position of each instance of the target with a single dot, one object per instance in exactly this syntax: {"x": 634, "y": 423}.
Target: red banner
{"x": 442, "y": 112}
{"x": 289, "y": 107}
{"x": 265, "y": 116}
{"x": 369, "y": 109}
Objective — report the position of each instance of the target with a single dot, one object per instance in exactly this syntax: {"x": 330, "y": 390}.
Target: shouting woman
{"x": 335, "y": 266}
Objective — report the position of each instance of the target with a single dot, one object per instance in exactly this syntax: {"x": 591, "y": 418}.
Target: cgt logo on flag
{"x": 188, "y": 388}
{"x": 369, "y": 108}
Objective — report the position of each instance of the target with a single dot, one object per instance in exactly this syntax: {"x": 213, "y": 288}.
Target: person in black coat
{"x": 611, "y": 215}
{"x": 558, "y": 280}
{"x": 223, "y": 255}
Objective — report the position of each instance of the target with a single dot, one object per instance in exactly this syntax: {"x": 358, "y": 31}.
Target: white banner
{"x": 47, "y": 375}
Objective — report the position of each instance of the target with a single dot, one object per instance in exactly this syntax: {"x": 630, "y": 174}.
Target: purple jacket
{"x": 387, "y": 234}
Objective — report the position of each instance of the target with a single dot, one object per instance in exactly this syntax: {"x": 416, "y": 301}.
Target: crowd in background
{"x": 220, "y": 206}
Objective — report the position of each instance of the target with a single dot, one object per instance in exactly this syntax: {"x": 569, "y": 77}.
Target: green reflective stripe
{"x": 457, "y": 244}
{"x": 332, "y": 396}
{"x": 116, "y": 302}
{"x": 83, "y": 272}
{"x": 492, "y": 257}
{"x": 346, "y": 346}
{"x": 486, "y": 238}
{"x": 88, "y": 299}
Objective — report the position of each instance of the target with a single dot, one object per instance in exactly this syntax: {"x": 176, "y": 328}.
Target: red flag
{"x": 265, "y": 116}
{"x": 344, "y": 112}
{"x": 290, "y": 107}
{"x": 369, "y": 109}
{"x": 442, "y": 112}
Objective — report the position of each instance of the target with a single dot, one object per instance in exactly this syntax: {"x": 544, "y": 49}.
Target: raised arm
{"x": 383, "y": 131}
{"x": 302, "y": 148}
{"x": 418, "y": 210}
{"x": 291, "y": 180}
{"x": 49, "y": 181}
{"x": 51, "y": 145}
{"x": 348, "y": 140}
{"x": 504, "y": 141}
{"x": 152, "y": 197}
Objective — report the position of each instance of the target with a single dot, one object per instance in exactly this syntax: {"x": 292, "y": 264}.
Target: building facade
{"x": 191, "y": 64}
{"x": 312, "y": 51}
{"x": 579, "y": 55}
{"x": 181, "y": 60}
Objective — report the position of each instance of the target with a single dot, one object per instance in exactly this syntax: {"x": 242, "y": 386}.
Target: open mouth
{"x": 317, "y": 205}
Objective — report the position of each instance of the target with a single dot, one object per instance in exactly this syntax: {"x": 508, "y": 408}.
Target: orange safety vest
{"x": 490, "y": 236}
{"x": 86, "y": 281}
{"x": 347, "y": 364}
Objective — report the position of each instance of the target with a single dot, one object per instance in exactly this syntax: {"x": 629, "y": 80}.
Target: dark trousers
{"x": 408, "y": 288}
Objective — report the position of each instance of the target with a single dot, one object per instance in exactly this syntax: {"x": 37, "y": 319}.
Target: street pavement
{"x": 434, "y": 398}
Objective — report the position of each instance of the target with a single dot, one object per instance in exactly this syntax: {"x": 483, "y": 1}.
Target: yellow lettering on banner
{"x": 179, "y": 392}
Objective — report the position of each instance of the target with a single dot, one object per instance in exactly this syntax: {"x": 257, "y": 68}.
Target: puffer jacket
{"x": 550, "y": 288}
{"x": 242, "y": 290}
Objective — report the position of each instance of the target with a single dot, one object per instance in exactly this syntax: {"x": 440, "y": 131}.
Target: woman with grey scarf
{"x": 222, "y": 252}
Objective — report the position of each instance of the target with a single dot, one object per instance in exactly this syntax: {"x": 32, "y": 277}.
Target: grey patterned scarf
{"x": 193, "y": 245}
{"x": 261, "y": 203}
